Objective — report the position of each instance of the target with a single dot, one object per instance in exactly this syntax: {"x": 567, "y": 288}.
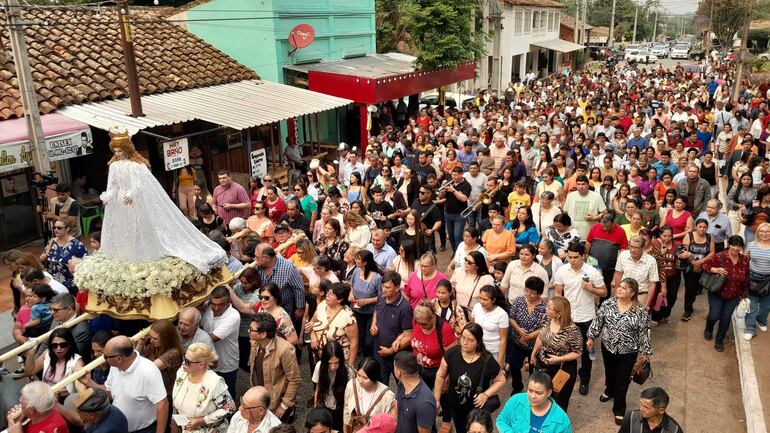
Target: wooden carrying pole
{"x": 43, "y": 338}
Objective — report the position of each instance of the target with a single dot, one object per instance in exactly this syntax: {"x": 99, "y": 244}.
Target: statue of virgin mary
{"x": 141, "y": 223}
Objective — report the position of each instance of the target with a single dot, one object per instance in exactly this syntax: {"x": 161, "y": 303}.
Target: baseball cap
{"x": 380, "y": 423}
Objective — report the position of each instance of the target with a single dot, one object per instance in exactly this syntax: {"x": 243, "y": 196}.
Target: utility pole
{"x": 127, "y": 41}
{"x": 636, "y": 18}
{"x": 611, "y": 37}
{"x": 584, "y": 20}
{"x": 27, "y": 87}
{"x": 655, "y": 25}
{"x": 742, "y": 53}
{"x": 707, "y": 42}
{"x": 577, "y": 14}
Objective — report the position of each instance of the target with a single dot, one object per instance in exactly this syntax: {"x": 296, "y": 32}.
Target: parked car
{"x": 450, "y": 99}
{"x": 660, "y": 50}
{"x": 680, "y": 51}
{"x": 697, "y": 54}
{"x": 640, "y": 56}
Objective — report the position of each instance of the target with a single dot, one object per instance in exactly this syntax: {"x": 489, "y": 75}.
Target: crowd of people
{"x": 574, "y": 206}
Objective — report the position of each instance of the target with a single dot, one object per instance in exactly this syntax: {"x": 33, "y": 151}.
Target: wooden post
{"x": 318, "y": 133}
{"x": 364, "y": 134}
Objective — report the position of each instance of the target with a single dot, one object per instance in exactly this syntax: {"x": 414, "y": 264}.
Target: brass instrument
{"x": 484, "y": 198}
{"x": 443, "y": 187}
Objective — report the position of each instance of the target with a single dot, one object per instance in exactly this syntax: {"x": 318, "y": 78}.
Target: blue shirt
{"x": 384, "y": 257}
{"x": 392, "y": 319}
{"x": 365, "y": 289}
{"x": 660, "y": 167}
{"x": 416, "y": 409}
{"x": 113, "y": 422}
{"x": 466, "y": 158}
{"x": 641, "y": 142}
{"x": 705, "y": 138}
{"x": 712, "y": 85}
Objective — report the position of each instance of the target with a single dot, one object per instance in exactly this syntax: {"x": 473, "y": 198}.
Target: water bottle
{"x": 592, "y": 354}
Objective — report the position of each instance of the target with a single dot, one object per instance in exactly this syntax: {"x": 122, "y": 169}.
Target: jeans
{"x": 474, "y": 219}
{"x": 230, "y": 378}
{"x": 366, "y": 339}
{"x": 386, "y": 367}
{"x": 585, "y": 361}
{"x": 691, "y": 289}
{"x": 759, "y": 308}
{"x": 617, "y": 377}
{"x": 455, "y": 225}
{"x": 720, "y": 310}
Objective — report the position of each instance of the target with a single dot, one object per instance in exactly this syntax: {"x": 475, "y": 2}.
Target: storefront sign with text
{"x": 18, "y": 155}
{"x": 258, "y": 163}
{"x": 176, "y": 154}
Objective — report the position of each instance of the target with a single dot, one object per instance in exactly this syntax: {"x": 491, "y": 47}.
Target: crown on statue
{"x": 119, "y": 135}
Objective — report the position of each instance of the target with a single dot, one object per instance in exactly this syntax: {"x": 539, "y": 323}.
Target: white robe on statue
{"x": 152, "y": 227}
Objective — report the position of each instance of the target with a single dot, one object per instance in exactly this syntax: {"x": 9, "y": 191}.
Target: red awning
{"x": 378, "y": 77}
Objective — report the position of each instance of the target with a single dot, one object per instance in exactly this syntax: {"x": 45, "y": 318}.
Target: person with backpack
{"x": 651, "y": 415}
{"x": 432, "y": 336}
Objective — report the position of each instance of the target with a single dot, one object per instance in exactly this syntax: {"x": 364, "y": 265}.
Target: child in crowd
{"x": 39, "y": 298}
{"x": 499, "y": 272}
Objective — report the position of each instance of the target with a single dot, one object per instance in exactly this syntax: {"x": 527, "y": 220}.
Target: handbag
{"x": 492, "y": 403}
{"x": 358, "y": 421}
{"x": 642, "y": 370}
{"x": 760, "y": 288}
{"x": 560, "y": 379}
{"x": 713, "y": 282}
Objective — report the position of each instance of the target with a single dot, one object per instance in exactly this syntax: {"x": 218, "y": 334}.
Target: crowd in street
{"x": 575, "y": 207}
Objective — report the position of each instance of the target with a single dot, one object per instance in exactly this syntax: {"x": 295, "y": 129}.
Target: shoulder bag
{"x": 560, "y": 379}
{"x": 642, "y": 370}
{"x": 493, "y": 403}
{"x": 714, "y": 282}
{"x": 358, "y": 421}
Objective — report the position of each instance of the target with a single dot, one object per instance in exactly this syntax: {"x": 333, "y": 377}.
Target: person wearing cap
{"x": 380, "y": 423}
{"x": 98, "y": 415}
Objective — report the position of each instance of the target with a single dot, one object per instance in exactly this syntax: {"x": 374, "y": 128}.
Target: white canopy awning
{"x": 238, "y": 105}
{"x": 559, "y": 45}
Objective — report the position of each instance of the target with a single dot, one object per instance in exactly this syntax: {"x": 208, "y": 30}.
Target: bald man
{"x": 190, "y": 331}
{"x": 253, "y": 414}
{"x": 136, "y": 386}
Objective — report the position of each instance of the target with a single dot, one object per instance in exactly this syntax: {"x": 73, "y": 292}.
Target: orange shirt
{"x": 496, "y": 243}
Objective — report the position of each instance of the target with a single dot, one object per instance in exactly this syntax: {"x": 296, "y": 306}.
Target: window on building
{"x": 536, "y": 20}
{"x": 518, "y": 27}
{"x": 543, "y": 20}
{"x": 552, "y": 22}
{"x": 528, "y": 22}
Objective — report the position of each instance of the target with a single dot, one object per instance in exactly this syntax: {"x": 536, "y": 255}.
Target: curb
{"x": 752, "y": 405}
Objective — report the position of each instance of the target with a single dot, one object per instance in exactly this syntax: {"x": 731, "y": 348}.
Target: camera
{"x": 42, "y": 180}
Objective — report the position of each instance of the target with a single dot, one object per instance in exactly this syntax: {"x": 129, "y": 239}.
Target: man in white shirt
{"x": 478, "y": 181}
{"x": 353, "y": 166}
{"x": 476, "y": 120}
{"x": 580, "y": 283}
{"x": 222, "y": 322}
{"x": 136, "y": 386}
{"x": 253, "y": 415}
{"x": 190, "y": 331}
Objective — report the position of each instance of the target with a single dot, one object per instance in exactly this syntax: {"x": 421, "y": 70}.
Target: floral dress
{"x": 208, "y": 399}
{"x": 333, "y": 328}
{"x": 58, "y": 259}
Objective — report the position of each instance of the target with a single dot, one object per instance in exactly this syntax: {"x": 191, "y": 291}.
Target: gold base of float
{"x": 158, "y": 307}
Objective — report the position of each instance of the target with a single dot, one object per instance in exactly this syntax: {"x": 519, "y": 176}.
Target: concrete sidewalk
{"x": 760, "y": 351}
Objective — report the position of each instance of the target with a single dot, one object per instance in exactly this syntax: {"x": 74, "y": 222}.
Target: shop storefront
{"x": 65, "y": 139}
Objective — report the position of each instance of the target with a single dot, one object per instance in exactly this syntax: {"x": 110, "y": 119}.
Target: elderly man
{"x": 383, "y": 253}
{"x": 36, "y": 405}
{"x": 136, "y": 387}
{"x": 190, "y": 331}
{"x": 694, "y": 189}
{"x": 254, "y": 414}
{"x": 580, "y": 283}
{"x": 719, "y": 224}
{"x": 274, "y": 366}
{"x": 230, "y": 199}
{"x": 295, "y": 219}
{"x": 651, "y": 416}
{"x": 222, "y": 322}
{"x": 636, "y": 264}
{"x": 98, "y": 415}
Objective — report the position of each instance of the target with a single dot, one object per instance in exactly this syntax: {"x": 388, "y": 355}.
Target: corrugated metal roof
{"x": 238, "y": 105}
{"x": 368, "y": 66}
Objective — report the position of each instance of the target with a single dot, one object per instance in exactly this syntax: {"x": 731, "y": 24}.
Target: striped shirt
{"x": 567, "y": 340}
{"x": 760, "y": 258}
{"x": 622, "y": 333}
{"x": 233, "y": 194}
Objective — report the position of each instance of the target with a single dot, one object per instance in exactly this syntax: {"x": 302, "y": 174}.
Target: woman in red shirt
{"x": 425, "y": 340}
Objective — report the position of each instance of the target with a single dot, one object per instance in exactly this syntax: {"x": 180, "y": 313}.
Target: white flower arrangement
{"x": 103, "y": 275}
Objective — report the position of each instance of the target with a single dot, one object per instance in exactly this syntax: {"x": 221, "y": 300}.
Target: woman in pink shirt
{"x": 423, "y": 281}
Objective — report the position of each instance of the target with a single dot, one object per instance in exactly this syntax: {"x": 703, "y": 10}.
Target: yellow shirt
{"x": 185, "y": 178}
{"x": 515, "y": 201}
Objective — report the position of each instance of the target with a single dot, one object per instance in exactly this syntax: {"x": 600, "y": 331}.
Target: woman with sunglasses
{"x": 162, "y": 347}
{"x": 467, "y": 279}
{"x": 270, "y": 303}
{"x": 59, "y": 361}
{"x": 260, "y": 223}
{"x": 200, "y": 394}
{"x": 62, "y": 249}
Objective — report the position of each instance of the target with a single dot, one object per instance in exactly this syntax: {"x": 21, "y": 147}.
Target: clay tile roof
{"x": 536, "y": 3}
{"x": 569, "y": 22}
{"x": 77, "y": 58}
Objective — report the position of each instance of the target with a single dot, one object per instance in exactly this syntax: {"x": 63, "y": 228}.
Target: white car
{"x": 680, "y": 51}
{"x": 660, "y": 50}
{"x": 640, "y": 57}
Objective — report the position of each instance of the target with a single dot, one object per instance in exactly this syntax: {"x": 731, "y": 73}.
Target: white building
{"x": 524, "y": 37}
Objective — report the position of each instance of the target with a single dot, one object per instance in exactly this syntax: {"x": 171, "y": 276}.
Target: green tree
{"x": 729, "y": 17}
{"x": 439, "y": 31}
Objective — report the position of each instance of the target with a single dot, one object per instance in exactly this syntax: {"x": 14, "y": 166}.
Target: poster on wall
{"x": 176, "y": 154}
{"x": 258, "y": 163}
{"x": 15, "y": 184}
{"x": 16, "y": 155}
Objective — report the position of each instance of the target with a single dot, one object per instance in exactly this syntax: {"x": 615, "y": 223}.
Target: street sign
{"x": 258, "y": 163}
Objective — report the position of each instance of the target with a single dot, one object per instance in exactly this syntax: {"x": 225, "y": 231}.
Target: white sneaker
{"x": 748, "y": 336}
{"x": 762, "y": 328}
